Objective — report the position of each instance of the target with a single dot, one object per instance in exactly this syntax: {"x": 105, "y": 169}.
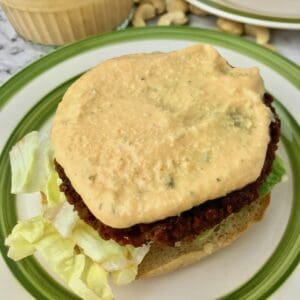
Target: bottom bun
{"x": 160, "y": 260}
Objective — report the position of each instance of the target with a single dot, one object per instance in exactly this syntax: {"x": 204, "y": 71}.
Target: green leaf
{"x": 276, "y": 175}
{"x": 85, "y": 277}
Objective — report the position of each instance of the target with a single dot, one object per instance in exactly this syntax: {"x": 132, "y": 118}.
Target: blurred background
{"x": 28, "y": 29}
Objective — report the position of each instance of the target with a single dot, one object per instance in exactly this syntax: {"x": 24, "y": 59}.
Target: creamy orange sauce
{"x": 144, "y": 137}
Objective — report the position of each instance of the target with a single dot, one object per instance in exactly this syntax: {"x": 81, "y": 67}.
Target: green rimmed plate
{"x": 253, "y": 267}
{"x": 268, "y": 13}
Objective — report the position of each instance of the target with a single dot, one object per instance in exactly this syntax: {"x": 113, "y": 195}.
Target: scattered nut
{"x": 230, "y": 26}
{"x": 177, "y": 5}
{"x": 143, "y": 13}
{"x": 197, "y": 11}
{"x": 261, "y": 34}
{"x": 174, "y": 17}
{"x": 159, "y": 5}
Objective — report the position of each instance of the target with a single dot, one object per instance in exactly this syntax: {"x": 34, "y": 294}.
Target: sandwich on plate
{"x": 154, "y": 161}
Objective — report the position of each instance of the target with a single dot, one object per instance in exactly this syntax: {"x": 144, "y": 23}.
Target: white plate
{"x": 268, "y": 13}
{"x": 252, "y": 267}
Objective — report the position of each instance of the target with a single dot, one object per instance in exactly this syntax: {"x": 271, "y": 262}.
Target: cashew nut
{"x": 174, "y": 17}
{"x": 230, "y": 26}
{"x": 197, "y": 11}
{"x": 177, "y": 5}
{"x": 261, "y": 34}
{"x": 143, "y": 13}
{"x": 159, "y": 5}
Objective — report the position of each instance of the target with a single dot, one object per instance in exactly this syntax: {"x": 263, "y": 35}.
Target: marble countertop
{"x": 16, "y": 53}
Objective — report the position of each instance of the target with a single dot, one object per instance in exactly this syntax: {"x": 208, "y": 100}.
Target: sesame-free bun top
{"x": 148, "y": 136}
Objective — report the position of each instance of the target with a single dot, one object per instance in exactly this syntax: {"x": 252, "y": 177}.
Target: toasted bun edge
{"x": 161, "y": 260}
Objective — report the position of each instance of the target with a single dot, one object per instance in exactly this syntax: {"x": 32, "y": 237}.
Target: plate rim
{"x": 181, "y": 33}
{"x": 248, "y": 17}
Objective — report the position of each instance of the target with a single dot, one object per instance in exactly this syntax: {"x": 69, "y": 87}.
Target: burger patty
{"x": 188, "y": 224}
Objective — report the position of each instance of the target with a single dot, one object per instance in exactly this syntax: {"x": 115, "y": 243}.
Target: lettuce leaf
{"x": 51, "y": 190}
{"x": 124, "y": 276}
{"x": 31, "y": 161}
{"x": 65, "y": 219}
{"x": 93, "y": 246}
{"x": 84, "y": 269}
{"x": 22, "y": 158}
{"x": 89, "y": 280}
{"x": 85, "y": 277}
{"x": 23, "y": 237}
{"x": 276, "y": 176}
{"x": 111, "y": 255}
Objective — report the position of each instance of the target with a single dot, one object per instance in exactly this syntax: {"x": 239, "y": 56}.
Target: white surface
{"x": 16, "y": 53}
{"x": 217, "y": 274}
{"x": 263, "y": 7}
{"x": 276, "y": 8}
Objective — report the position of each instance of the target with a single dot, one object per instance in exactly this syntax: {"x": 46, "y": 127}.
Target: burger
{"x": 154, "y": 162}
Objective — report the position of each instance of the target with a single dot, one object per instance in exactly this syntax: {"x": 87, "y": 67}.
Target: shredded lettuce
{"x": 276, "y": 176}
{"x": 71, "y": 247}
{"x": 124, "y": 276}
{"x": 85, "y": 277}
{"x": 93, "y": 246}
{"x": 51, "y": 190}
{"x": 110, "y": 254}
{"x": 83, "y": 270}
{"x": 24, "y": 235}
{"x": 89, "y": 280}
{"x": 23, "y": 157}
{"x": 65, "y": 219}
{"x": 138, "y": 253}
{"x": 31, "y": 162}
